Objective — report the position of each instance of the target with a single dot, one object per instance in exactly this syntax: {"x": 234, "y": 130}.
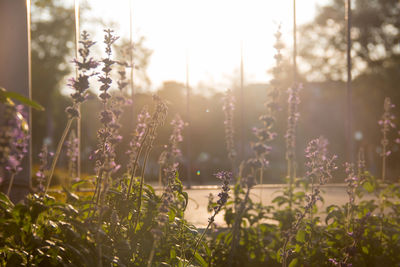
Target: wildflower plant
{"x": 105, "y": 153}
{"x": 157, "y": 119}
{"x": 86, "y": 69}
{"x": 228, "y": 108}
{"x": 319, "y": 171}
{"x": 225, "y": 178}
{"x": 293, "y": 117}
{"x": 138, "y": 137}
{"x": 169, "y": 158}
{"x": 14, "y": 139}
{"x": 386, "y": 123}
{"x": 44, "y": 157}
{"x": 72, "y": 155}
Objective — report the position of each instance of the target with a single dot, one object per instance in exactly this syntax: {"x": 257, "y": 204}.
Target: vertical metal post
{"x": 78, "y": 121}
{"x": 294, "y": 45}
{"x": 189, "y": 129}
{"x": 132, "y": 84}
{"x": 349, "y": 100}
{"x": 15, "y": 73}
{"x": 241, "y": 101}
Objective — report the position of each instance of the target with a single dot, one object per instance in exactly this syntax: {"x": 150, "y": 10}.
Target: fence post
{"x": 15, "y": 74}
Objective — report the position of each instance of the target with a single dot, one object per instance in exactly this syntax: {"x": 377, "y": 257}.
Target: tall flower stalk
{"x": 168, "y": 159}
{"x": 228, "y": 108}
{"x": 169, "y": 162}
{"x": 319, "y": 165}
{"x": 105, "y": 154}
{"x": 72, "y": 145}
{"x": 86, "y": 66}
{"x": 13, "y": 141}
{"x": 386, "y": 122}
{"x": 352, "y": 182}
{"x": 225, "y": 178}
{"x": 361, "y": 165}
{"x": 293, "y": 117}
{"x": 319, "y": 171}
{"x": 157, "y": 119}
{"x": 44, "y": 156}
{"x": 137, "y": 141}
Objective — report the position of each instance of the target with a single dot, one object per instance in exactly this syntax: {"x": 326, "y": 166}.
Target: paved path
{"x": 198, "y": 199}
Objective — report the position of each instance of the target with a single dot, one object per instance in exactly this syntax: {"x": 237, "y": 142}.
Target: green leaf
{"x": 207, "y": 249}
{"x": 369, "y": 187}
{"x": 172, "y": 253}
{"x": 5, "y": 94}
{"x": 200, "y": 260}
{"x": 4, "y": 198}
{"x": 301, "y": 236}
{"x": 186, "y": 196}
{"x": 293, "y": 263}
{"x": 365, "y": 250}
{"x": 79, "y": 183}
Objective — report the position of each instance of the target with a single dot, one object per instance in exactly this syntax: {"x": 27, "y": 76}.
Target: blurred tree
{"x": 376, "y": 65}
{"x": 375, "y": 36}
{"x": 52, "y": 42}
{"x": 53, "y": 33}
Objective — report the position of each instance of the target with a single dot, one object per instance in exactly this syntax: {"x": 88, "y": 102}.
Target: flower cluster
{"x": 118, "y": 101}
{"x": 223, "y": 196}
{"x": 172, "y": 151}
{"x": 149, "y": 135}
{"x": 319, "y": 165}
{"x": 228, "y": 108}
{"x": 352, "y": 182}
{"x": 293, "y": 117}
{"x": 81, "y": 84}
{"x": 361, "y": 165}
{"x": 72, "y": 155}
{"x": 105, "y": 154}
{"x": 387, "y": 123}
{"x": 13, "y": 138}
{"x": 273, "y": 105}
{"x": 168, "y": 159}
{"x": 157, "y": 119}
{"x": 44, "y": 157}
{"x": 138, "y": 137}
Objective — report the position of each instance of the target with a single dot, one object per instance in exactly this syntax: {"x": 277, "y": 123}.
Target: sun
{"x": 208, "y": 34}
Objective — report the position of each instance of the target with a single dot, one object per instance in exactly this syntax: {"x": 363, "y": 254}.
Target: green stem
{"x": 142, "y": 181}
{"x": 152, "y": 252}
{"x": 236, "y": 226}
{"x": 10, "y": 184}
{"x": 133, "y": 172}
{"x": 261, "y": 183}
{"x": 58, "y": 151}
{"x": 201, "y": 238}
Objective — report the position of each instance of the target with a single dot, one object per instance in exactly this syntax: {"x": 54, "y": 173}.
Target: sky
{"x": 208, "y": 34}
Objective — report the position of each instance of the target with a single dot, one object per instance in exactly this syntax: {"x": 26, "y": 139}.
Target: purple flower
{"x": 223, "y": 196}
{"x": 319, "y": 165}
{"x": 13, "y": 138}
{"x": 169, "y": 157}
{"x": 387, "y": 123}
{"x": 228, "y": 108}
{"x": 81, "y": 84}
{"x": 44, "y": 157}
{"x": 294, "y": 101}
{"x": 72, "y": 145}
{"x": 138, "y": 136}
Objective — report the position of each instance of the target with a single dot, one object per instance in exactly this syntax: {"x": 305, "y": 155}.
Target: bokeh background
{"x": 322, "y": 69}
